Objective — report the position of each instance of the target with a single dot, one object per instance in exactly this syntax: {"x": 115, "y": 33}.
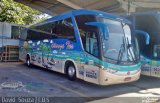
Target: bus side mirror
{"x": 102, "y": 26}
{"x": 147, "y": 37}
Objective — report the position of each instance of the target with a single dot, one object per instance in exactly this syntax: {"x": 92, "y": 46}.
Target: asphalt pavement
{"x": 17, "y": 80}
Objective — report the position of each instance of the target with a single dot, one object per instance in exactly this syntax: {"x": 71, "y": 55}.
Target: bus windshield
{"x": 117, "y": 46}
{"x": 152, "y": 22}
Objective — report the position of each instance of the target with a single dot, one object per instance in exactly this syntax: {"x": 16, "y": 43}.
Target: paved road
{"x": 40, "y": 82}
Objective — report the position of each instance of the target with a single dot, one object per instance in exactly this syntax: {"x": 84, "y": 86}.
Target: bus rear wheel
{"x": 71, "y": 72}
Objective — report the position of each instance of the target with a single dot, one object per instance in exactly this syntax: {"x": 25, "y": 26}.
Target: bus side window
{"x": 64, "y": 29}
{"x": 38, "y": 35}
{"x": 92, "y": 44}
{"x": 156, "y": 51}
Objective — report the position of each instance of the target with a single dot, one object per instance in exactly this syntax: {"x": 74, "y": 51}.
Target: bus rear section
{"x": 90, "y": 45}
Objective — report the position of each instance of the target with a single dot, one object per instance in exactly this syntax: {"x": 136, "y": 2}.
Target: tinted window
{"x": 15, "y": 32}
{"x": 156, "y": 51}
{"x": 62, "y": 29}
{"x": 89, "y": 34}
{"x": 38, "y": 35}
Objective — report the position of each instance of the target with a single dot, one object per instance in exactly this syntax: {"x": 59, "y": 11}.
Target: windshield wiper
{"x": 121, "y": 51}
{"x": 128, "y": 49}
{"x": 120, "y": 54}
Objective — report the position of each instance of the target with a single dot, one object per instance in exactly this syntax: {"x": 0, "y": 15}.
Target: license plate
{"x": 127, "y": 79}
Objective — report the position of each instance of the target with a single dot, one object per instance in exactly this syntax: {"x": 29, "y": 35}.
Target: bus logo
{"x": 91, "y": 74}
{"x": 128, "y": 73}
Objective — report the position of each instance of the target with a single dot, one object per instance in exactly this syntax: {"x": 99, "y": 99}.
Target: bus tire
{"x": 71, "y": 72}
{"x": 28, "y": 62}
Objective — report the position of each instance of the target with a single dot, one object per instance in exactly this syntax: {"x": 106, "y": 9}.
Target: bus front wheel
{"x": 71, "y": 72}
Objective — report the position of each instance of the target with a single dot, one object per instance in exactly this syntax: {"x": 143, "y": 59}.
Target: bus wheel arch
{"x": 70, "y": 70}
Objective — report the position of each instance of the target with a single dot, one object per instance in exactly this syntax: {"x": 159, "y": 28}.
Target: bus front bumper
{"x": 107, "y": 78}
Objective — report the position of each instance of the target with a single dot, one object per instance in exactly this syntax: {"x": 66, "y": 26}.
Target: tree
{"x": 14, "y": 12}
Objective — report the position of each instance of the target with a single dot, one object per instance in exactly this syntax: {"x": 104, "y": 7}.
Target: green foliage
{"x": 14, "y": 12}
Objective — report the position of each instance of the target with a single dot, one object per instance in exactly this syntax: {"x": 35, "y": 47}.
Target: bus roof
{"x": 81, "y": 12}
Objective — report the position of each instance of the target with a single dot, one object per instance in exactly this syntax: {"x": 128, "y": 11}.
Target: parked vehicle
{"x": 87, "y": 44}
{"x": 150, "y": 54}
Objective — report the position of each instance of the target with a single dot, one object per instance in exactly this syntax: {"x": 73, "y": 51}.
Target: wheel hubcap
{"x": 71, "y": 71}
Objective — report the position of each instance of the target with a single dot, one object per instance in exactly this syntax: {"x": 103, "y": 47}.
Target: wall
{"x": 5, "y": 35}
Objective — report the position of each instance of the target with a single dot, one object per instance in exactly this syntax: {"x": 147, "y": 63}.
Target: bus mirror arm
{"x": 147, "y": 37}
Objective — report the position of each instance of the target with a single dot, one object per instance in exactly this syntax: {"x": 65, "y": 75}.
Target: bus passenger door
{"x": 91, "y": 61}
{"x": 146, "y": 66}
{"x": 90, "y": 36}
